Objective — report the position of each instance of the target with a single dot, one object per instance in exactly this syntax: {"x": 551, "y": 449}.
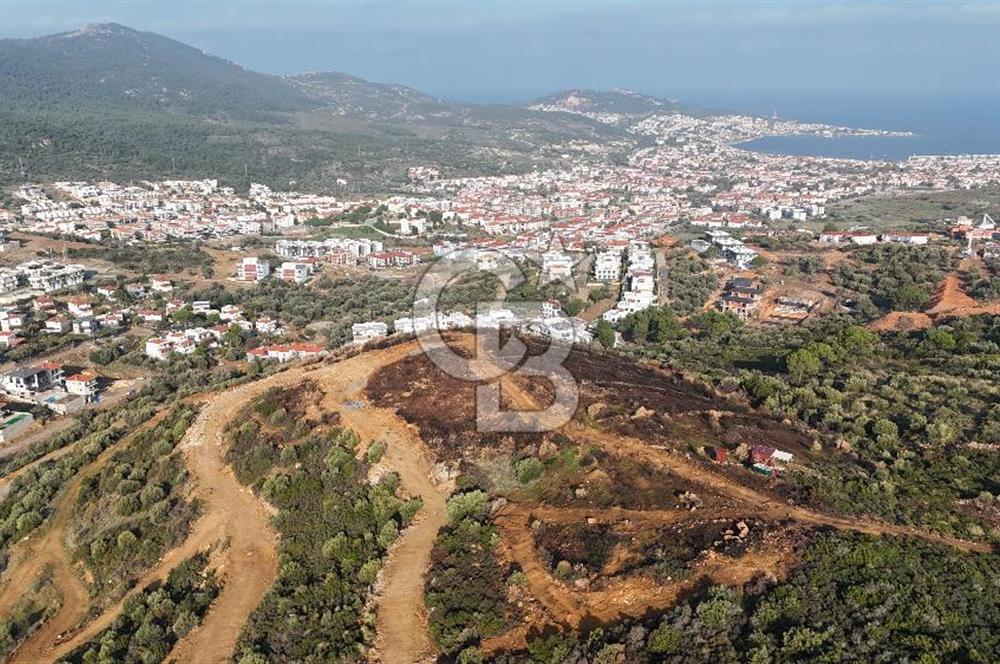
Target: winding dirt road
{"x": 761, "y": 504}
{"x": 403, "y": 636}
{"x": 236, "y": 526}
{"x": 33, "y": 555}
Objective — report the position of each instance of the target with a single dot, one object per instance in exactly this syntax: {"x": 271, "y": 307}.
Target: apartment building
{"x": 252, "y": 268}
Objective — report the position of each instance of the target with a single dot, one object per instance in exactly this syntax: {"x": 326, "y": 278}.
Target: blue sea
{"x": 945, "y": 126}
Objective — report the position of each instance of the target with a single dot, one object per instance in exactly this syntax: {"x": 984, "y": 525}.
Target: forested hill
{"x": 109, "y": 67}
{"x": 627, "y": 103}
{"x": 107, "y": 101}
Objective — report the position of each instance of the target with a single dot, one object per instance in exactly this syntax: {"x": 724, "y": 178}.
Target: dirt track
{"x": 571, "y": 608}
{"x": 233, "y": 516}
{"x": 230, "y": 514}
{"x": 403, "y": 635}
{"x": 762, "y": 504}
{"x": 950, "y": 301}
{"x": 248, "y": 563}
{"x": 622, "y": 597}
{"x": 31, "y": 557}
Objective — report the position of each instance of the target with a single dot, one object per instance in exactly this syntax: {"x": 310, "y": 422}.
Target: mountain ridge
{"x": 107, "y": 100}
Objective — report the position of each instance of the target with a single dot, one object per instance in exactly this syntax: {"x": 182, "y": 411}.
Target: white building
{"x": 294, "y": 271}
{"x": 607, "y": 266}
{"x": 364, "y": 332}
{"x": 414, "y": 325}
{"x": 252, "y": 268}
{"x": 84, "y": 384}
{"x": 556, "y": 265}
{"x": 8, "y": 280}
{"x": 48, "y": 276}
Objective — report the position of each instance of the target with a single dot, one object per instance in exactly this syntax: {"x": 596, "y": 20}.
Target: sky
{"x": 709, "y": 52}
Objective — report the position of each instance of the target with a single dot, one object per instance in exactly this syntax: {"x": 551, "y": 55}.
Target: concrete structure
{"x": 252, "y": 268}
{"x": 364, "y": 332}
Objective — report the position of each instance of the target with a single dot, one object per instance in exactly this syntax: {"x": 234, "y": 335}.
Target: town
{"x": 606, "y": 241}
{"x": 300, "y": 363}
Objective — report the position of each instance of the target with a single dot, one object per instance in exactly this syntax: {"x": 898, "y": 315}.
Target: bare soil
{"x": 651, "y": 501}
{"x": 31, "y": 556}
{"x": 652, "y": 522}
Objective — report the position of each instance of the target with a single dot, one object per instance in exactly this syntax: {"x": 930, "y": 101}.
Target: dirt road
{"x": 235, "y": 525}
{"x": 231, "y": 515}
{"x": 761, "y": 504}
{"x": 34, "y": 554}
{"x": 403, "y": 636}
{"x": 622, "y": 597}
{"x": 234, "y": 516}
{"x": 7, "y": 480}
{"x": 950, "y": 301}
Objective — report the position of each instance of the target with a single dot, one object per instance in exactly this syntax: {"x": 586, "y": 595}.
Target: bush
{"x": 471, "y": 504}
{"x": 664, "y": 640}
{"x": 375, "y": 452}
{"x": 529, "y": 469}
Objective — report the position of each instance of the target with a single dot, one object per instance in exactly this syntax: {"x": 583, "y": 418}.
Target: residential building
{"x": 398, "y": 258}
{"x": 414, "y": 325}
{"x": 8, "y": 280}
{"x": 294, "y": 271}
{"x": 285, "y": 352}
{"x": 84, "y": 384}
{"x": 607, "y": 266}
{"x": 556, "y": 266}
{"x": 364, "y": 332}
{"x": 161, "y": 284}
{"x": 741, "y": 297}
{"x": 27, "y": 381}
{"x": 252, "y": 268}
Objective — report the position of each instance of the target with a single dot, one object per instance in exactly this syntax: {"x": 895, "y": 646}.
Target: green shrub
{"x": 529, "y": 470}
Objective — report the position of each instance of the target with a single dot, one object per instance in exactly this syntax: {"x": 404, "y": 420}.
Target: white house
{"x": 84, "y": 384}
{"x": 294, "y": 271}
{"x": 252, "y": 268}
{"x": 364, "y": 332}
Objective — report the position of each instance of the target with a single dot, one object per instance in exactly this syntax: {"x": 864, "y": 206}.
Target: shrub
{"x": 471, "y": 504}
{"x": 529, "y": 470}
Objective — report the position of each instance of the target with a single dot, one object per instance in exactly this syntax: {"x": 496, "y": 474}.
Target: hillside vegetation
{"x": 111, "y": 102}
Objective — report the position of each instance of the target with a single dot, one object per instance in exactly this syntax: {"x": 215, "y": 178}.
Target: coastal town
{"x": 402, "y": 333}
{"x": 605, "y": 239}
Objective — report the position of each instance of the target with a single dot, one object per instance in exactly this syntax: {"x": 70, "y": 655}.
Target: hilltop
{"x": 110, "y": 101}
{"x": 621, "y": 102}
{"x": 109, "y": 67}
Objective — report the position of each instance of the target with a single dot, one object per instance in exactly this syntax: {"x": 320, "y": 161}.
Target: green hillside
{"x": 107, "y": 101}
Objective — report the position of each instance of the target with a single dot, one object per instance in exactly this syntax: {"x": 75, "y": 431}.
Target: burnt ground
{"x": 620, "y": 512}
{"x": 584, "y": 476}
{"x": 441, "y": 406}
{"x": 598, "y": 528}
{"x": 616, "y": 393}
{"x": 604, "y": 552}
